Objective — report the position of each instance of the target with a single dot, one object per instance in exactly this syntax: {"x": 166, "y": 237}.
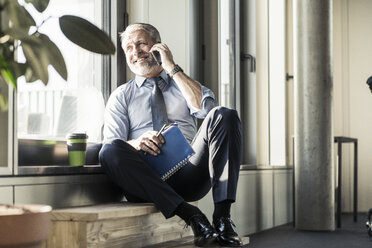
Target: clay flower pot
{"x": 24, "y": 226}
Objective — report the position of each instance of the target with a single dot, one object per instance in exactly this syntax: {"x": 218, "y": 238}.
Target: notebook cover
{"x": 174, "y": 153}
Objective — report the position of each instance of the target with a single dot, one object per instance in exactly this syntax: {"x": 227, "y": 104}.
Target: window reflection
{"x": 62, "y": 107}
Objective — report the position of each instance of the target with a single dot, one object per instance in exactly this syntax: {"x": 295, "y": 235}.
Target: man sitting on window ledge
{"x": 131, "y": 126}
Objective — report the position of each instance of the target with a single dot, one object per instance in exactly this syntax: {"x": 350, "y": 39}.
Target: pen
{"x": 161, "y": 130}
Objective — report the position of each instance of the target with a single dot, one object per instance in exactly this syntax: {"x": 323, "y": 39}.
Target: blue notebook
{"x": 174, "y": 154}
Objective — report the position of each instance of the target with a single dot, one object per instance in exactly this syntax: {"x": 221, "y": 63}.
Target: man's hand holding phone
{"x": 160, "y": 51}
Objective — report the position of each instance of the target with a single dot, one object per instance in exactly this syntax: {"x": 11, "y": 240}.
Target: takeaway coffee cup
{"x": 77, "y": 145}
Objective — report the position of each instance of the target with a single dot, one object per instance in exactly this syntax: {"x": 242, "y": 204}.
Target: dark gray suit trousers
{"x": 216, "y": 163}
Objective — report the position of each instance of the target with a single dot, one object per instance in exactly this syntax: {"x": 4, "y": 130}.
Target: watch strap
{"x": 176, "y": 69}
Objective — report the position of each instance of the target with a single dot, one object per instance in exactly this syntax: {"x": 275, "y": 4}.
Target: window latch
{"x": 244, "y": 56}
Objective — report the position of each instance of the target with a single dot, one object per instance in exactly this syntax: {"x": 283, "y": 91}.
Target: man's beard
{"x": 143, "y": 68}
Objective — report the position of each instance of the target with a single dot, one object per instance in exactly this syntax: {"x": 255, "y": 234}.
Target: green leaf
{"x": 37, "y": 59}
{"x": 7, "y": 50}
{"x": 18, "y": 33}
{"x": 6, "y": 73}
{"x": 8, "y": 77}
{"x": 3, "y": 102}
{"x": 40, "y": 5}
{"x": 86, "y": 35}
{"x": 18, "y": 69}
{"x": 42, "y": 45}
{"x": 18, "y": 15}
{"x": 30, "y": 75}
{"x": 54, "y": 56}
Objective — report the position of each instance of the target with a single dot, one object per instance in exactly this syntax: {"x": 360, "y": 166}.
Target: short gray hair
{"x": 148, "y": 28}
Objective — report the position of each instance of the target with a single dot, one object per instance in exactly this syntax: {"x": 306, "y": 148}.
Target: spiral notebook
{"x": 174, "y": 154}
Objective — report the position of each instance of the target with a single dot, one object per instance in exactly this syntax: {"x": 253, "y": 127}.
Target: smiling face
{"x": 136, "y": 48}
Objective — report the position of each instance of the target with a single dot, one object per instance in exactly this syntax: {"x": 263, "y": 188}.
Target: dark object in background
{"x": 369, "y": 82}
{"x": 368, "y": 223}
{"x": 92, "y": 153}
{"x": 33, "y": 152}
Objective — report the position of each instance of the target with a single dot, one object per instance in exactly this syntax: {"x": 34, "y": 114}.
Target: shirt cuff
{"x": 207, "y": 103}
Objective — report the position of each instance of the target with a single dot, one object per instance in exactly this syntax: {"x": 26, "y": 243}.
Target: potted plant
{"x": 24, "y": 225}
{"x": 18, "y": 30}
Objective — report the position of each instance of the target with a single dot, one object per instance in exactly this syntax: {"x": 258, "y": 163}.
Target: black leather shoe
{"x": 204, "y": 233}
{"x": 226, "y": 233}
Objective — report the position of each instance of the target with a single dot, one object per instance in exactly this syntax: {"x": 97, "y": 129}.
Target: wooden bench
{"x": 113, "y": 225}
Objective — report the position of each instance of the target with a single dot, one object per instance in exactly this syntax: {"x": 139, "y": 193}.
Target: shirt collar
{"x": 140, "y": 80}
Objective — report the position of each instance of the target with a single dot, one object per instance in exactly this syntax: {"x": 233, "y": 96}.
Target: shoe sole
{"x": 222, "y": 244}
{"x": 205, "y": 242}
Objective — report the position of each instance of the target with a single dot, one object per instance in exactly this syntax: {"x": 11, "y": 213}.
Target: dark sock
{"x": 221, "y": 209}
{"x": 185, "y": 211}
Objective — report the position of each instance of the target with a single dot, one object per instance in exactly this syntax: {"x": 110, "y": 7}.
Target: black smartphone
{"x": 157, "y": 57}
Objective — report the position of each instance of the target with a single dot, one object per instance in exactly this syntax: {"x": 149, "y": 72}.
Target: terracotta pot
{"x": 24, "y": 226}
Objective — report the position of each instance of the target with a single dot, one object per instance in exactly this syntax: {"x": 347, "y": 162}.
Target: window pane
{"x": 224, "y": 54}
{"x": 62, "y": 107}
{"x": 277, "y": 82}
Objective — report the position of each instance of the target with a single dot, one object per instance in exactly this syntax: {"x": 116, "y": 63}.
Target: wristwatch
{"x": 176, "y": 69}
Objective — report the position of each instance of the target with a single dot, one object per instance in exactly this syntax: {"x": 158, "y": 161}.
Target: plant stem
{"x": 41, "y": 24}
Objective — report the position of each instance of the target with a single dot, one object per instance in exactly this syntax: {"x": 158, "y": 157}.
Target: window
{"x": 224, "y": 37}
{"x": 62, "y": 107}
{"x": 277, "y": 81}
{"x": 258, "y": 96}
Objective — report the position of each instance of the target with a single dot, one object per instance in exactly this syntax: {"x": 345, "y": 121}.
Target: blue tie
{"x": 158, "y": 109}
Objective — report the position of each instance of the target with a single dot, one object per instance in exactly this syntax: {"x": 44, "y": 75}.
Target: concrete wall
{"x": 352, "y": 56}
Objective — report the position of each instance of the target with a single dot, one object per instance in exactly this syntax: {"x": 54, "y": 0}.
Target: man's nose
{"x": 137, "y": 50}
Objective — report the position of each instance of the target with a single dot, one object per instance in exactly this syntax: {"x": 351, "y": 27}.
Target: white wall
{"x": 171, "y": 18}
{"x": 353, "y": 100}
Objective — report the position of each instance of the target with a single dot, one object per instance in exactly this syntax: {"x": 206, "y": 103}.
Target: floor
{"x": 351, "y": 235}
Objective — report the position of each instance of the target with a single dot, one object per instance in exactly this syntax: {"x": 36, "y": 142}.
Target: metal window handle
{"x": 250, "y": 57}
{"x": 288, "y": 77}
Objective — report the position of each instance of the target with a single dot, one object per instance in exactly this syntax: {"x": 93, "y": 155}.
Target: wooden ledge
{"x": 103, "y": 211}
{"x": 122, "y": 224}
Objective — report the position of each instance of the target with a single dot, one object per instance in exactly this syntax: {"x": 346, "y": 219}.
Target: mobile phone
{"x": 157, "y": 57}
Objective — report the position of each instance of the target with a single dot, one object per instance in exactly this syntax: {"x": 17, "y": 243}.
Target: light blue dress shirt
{"x": 128, "y": 110}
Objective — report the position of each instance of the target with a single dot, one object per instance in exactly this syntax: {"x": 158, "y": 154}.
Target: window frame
{"x": 113, "y": 74}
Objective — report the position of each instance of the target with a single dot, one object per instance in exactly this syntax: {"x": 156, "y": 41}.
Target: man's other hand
{"x": 148, "y": 142}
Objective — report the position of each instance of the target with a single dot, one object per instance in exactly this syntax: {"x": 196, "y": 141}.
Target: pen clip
{"x": 165, "y": 127}
{"x": 169, "y": 126}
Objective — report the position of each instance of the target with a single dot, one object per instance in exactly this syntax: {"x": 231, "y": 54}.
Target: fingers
{"x": 160, "y": 47}
{"x": 151, "y": 144}
{"x": 161, "y": 138}
{"x": 149, "y": 147}
{"x": 166, "y": 55}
